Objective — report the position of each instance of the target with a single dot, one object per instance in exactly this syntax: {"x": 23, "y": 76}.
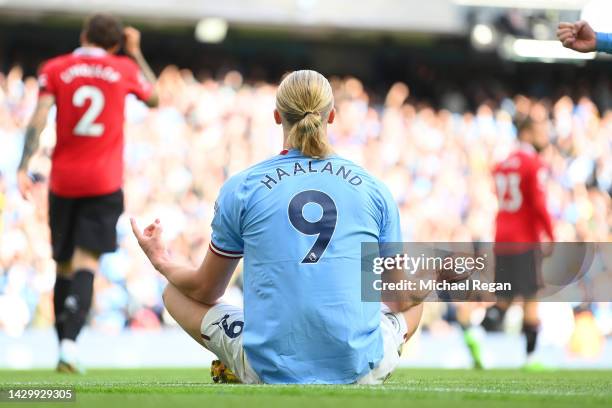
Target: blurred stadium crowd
{"x": 435, "y": 161}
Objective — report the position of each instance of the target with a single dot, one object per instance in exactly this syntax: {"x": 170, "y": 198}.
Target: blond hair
{"x": 304, "y": 100}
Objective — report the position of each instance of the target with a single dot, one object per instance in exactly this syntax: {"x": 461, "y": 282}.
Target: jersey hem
{"x": 85, "y": 195}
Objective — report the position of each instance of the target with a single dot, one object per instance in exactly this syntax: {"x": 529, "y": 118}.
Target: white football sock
{"x": 68, "y": 351}
{"x": 531, "y": 358}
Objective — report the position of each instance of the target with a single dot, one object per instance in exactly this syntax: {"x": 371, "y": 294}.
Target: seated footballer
{"x": 298, "y": 219}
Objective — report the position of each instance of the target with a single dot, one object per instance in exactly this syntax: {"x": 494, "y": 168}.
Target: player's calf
{"x": 72, "y": 302}
{"x": 61, "y": 290}
{"x": 494, "y": 318}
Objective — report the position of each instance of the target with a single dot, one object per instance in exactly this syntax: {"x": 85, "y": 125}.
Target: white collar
{"x": 90, "y": 51}
{"x": 527, "y": 147}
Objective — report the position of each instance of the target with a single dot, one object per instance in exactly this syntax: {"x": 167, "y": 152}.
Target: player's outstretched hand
{"x": 131, "y": 41}
{"x": 578, "y": 36}
{"x": 150, "y": 240}
{"x": 25, "y": 184}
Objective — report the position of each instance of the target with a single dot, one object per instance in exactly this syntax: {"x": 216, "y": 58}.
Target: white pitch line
{"x": 374, "y": 388}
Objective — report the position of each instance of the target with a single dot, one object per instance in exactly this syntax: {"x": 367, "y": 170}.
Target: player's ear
{"x": 332, "y": 116}
{"x": 83, "y": 38}
{"x": 277, "y": 117}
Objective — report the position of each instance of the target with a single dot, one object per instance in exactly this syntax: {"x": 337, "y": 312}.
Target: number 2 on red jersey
{"x": 87, "y": 126}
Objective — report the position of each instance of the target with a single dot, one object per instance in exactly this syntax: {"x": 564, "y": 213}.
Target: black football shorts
{"x": 87, "y": 222}
{"x": 522, "y": 271}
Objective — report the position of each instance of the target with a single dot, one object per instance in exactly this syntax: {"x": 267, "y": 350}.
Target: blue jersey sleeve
{"x": 226, "y": 225}
{"x": 604, "y": 42}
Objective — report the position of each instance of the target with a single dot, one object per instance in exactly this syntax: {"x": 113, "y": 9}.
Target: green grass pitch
{"x": 406, "y": 388}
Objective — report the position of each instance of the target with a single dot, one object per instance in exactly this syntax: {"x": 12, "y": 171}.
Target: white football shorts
{"x": 222, "y": 327}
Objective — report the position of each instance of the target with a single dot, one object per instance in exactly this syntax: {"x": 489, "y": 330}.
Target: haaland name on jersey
{"x": 270, "y": 181}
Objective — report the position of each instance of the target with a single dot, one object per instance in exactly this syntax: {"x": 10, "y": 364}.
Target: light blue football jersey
{"x": 300, "y": 222}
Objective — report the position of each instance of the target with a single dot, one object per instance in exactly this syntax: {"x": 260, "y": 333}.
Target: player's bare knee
{"x": 85, "y": 259}
{"x": 530, "y": 313}
{"x": 504, "y": 304}
{"x": 168, "y": 295}
{"x": 64, "y": 269}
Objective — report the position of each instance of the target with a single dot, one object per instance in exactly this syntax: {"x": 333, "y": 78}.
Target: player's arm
{"x": 405, "y": 300}
{"x": 32, "y": 138}
{"x": 389, "y": 243}
{"x": 133, "y": 50}
{"x": 537, "y": 184}
{"x": 205, "y": 284}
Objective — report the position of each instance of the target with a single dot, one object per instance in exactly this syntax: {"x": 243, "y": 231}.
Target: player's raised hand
{"x": 25, "y": 184}
{"x": 131, "y": 41}
{"x": 578, "y": 36}
{"x": 150, "y": 240}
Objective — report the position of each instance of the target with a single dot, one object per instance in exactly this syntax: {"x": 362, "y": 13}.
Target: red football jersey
{"x": 522, "y": 214}
{"x": 90, "y": 86}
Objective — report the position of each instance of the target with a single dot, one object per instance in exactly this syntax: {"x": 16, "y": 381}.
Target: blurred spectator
{"x": 436, "y": 163}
